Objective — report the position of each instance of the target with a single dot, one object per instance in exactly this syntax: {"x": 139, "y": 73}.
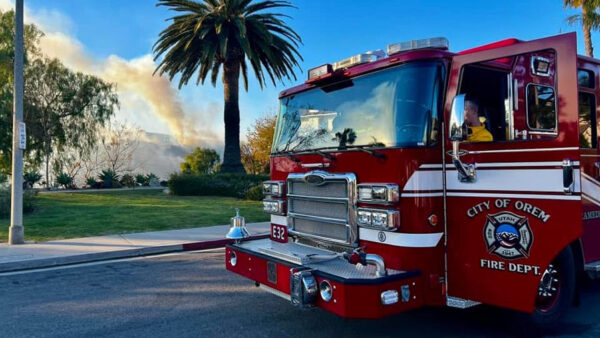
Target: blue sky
{"x": 331, "y": 30}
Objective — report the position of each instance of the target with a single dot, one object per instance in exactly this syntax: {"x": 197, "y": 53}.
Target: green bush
{"x": 91, "y": 182}
{"x": 28, "y": 202}
{"x": 109, "y": 179}
{"x": 255, "y": 193}
{"x": 30, "y": 178}
{"x": 128, "y": 181}
{"x": 140, "y": 179}
{"x": 233, "y": 185}
{"x": 65, "y": 180}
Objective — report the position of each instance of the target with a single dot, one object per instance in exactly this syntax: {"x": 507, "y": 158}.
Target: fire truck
{"x": 382, "y": 201}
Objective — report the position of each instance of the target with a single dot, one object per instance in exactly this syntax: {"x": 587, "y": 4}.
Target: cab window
{"x": 587, "y": 120}
{"x": 541, "y": 108}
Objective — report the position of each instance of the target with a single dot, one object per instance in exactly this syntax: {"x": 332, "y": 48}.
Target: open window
{"x": 488, "y": 87}
{"x": 516, "y": 96}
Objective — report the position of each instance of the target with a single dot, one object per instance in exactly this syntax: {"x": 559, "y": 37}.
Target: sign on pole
{"x": 22, "y": 136}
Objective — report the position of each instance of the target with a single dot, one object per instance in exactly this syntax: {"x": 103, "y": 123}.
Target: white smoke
{"x": 144, "y": 97}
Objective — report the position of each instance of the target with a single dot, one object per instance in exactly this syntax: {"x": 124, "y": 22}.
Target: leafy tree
{"x": 31, "y": 38}
{"x": 211, "y": 34}
{"x": 589, "y": 19}
{"x": 257, "y": 151}
{"x": 200, "y": 161}
{"x": 58, "y": 102}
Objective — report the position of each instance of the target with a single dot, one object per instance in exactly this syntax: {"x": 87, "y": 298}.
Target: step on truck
{"x": 422, "y": 177}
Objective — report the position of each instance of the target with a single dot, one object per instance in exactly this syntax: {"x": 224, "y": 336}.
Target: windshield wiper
{"x": 290, "y": 155}
{"x": 325, "y": 155}
{"x": 368, "y": 151}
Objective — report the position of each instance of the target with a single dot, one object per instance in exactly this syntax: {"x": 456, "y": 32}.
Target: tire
{"x": 556, "y": 292}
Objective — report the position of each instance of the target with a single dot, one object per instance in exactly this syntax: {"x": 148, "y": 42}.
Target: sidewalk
{"x": 89, "y": 249}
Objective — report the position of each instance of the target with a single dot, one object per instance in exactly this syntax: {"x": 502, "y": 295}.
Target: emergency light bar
{"x": 438, "y": 43}
{"x": 359, "y": 59}
{"x": 319, "y": 71}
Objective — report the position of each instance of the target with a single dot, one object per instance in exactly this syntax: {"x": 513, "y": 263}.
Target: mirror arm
{"x": 466, "y": 172}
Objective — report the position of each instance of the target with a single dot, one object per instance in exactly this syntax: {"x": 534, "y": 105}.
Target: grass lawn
{"x": 81, "y": 214}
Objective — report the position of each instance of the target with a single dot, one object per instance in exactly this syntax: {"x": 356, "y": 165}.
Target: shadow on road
{"x": 193, "y": 295}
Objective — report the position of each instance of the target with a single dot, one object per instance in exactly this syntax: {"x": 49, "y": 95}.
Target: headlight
{"x": 273, "y": 188}
{"x": 379, "y": 218}
{"x": 378, "y": 193}
{"x": 272, "y": 206}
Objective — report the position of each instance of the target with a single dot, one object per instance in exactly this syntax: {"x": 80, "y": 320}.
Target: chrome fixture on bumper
{"x": 237, "y": 229}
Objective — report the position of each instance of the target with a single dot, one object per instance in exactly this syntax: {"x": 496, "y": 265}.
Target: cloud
{"x": 137, "y": 88}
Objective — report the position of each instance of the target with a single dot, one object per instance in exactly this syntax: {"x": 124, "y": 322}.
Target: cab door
{"x": 521, "y": 204}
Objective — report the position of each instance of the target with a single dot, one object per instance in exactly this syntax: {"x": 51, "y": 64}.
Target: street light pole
{"x": 16, "y": 233}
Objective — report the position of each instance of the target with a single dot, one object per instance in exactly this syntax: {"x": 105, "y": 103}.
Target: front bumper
{"x": 356, "y": 291}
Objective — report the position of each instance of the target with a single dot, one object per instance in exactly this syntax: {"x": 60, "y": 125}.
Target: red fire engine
{"x": 424, "y": 177}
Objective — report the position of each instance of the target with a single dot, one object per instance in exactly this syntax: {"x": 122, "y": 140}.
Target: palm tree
{"x": 228, "y": 33}
{"x": 589, "y": 19}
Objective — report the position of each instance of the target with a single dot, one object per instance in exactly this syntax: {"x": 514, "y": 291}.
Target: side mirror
{"x": 457, "y": 129}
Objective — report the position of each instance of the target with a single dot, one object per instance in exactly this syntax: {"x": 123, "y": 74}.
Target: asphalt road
{"x": 192, "y": 295}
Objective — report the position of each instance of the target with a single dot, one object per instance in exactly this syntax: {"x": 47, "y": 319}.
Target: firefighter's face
{"x": 471, "y": 116}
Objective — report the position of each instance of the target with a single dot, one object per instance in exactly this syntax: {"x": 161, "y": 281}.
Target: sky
{"x": 113, "y": 39}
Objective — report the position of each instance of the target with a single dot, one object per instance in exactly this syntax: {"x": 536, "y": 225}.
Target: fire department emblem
{"x": 508, "y": 235}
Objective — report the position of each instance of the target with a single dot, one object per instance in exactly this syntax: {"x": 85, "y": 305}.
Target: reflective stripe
{"x": 401, "y": 239}
{"x": 533, "y": 196}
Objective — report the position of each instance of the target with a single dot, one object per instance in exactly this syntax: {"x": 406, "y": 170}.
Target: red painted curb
{"x": 216, "y": 243}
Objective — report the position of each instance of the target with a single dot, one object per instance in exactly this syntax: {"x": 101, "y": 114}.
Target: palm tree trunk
{"x": 232, "y": 156}
{"x": 587, "y": 34}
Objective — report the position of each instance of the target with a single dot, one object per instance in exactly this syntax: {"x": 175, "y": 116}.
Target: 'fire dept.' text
{"x": 511, "y": 267}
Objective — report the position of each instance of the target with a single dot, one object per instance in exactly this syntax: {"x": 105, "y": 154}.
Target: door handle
{"x": 568, "y": 177}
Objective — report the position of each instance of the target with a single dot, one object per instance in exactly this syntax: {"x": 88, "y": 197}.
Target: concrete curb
{"x": 109, "y": 255}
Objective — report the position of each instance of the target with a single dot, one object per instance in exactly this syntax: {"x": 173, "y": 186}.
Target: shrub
{"x": 140, "y": 179}
{"x": 30, "y": 178}
{"x": 233, "y": 185}
{"x": 28, "y": 202}
{"x": 164, "y": 183}
{"x": 3, "y": 178}
{"x": 152, "y": 180}
{"x": 128, "y": 181}
{"x": 91, "y": 182}
{"x": 109, "y": 179}
{"x": 65, "y": 180}
{"x": 255, "y": 193}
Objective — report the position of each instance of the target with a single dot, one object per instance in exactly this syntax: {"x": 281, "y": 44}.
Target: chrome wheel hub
{"x": 549, "y": 283}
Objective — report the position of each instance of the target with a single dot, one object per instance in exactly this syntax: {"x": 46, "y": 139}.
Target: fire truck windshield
{"x": 395, "y": 107}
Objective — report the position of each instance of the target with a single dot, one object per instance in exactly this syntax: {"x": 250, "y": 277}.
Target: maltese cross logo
{"x": 508, "y": 235}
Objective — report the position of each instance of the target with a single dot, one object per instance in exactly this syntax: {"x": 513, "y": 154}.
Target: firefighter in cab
{"x": 477, "y": 130}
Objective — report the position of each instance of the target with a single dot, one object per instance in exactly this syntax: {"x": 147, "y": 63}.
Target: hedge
{"x": 232, "y": 185}
{"x": 28, "y": 206}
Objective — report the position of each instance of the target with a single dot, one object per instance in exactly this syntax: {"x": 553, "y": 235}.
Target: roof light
{"x": 359, "y": 59}
{"x": 438, "y": 43}
{"x": 319, "y": 71}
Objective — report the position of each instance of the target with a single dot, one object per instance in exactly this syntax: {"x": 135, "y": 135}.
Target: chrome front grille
{"x": 322, "y": 206}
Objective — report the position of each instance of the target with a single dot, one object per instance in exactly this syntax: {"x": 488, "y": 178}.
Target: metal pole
{"x": 15, "y": 235}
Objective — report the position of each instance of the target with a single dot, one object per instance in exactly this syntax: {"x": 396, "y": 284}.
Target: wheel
{"x": 555, "y": 292}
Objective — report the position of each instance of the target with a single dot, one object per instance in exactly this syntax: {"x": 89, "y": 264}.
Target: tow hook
{"x": 358, "y": 256}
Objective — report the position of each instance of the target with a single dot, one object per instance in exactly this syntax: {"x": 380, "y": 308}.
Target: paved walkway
{"x": 89, "y": 249}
